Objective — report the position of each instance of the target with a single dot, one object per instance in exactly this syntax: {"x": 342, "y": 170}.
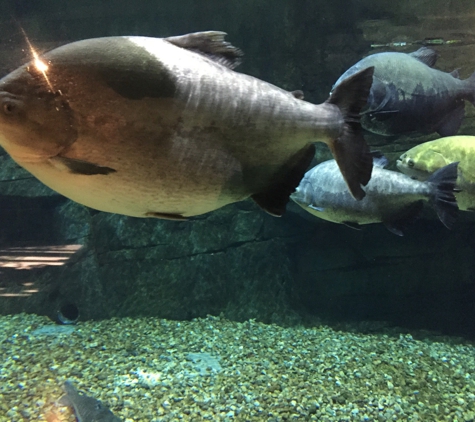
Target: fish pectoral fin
{"x": 351, "y": 225}
{"x": 64, "y": 401}
{"x": 406, "y": 217}
{"x": 166, "y": 216}
{"x": 75, "y": 166}
{"x": 426, "y": 55}
{"x": 274, "y": 199}
{"x": 394, "y": 229}
{"x": 450, "y": 125}
{"x": 383, "y": 115}
{"x": 319, "y": 209}
{"x": 210, "y": 44}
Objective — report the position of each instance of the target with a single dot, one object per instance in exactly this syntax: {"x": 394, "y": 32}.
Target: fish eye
{"x": 8, "y": 108}
{"x": 410, "y": 163}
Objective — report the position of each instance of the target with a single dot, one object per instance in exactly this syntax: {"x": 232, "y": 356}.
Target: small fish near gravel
{"x": 86, "y": 408}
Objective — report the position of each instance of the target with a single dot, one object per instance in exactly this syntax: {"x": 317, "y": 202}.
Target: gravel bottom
{"x": 213, "y": 369}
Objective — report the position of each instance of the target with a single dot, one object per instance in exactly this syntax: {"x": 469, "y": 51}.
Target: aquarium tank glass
{"x": 237, "y": 210}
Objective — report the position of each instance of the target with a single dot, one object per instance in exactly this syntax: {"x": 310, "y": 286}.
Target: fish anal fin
{"x": 405, "y": 217}
{"x": 75, "y": 166}
{"x": 350, "y": 149}
{"x": 426, "y": 55}
{"x": 210, "y": 44}
{"x": 351, "y": 225}
{"x": 450, "y": 125}
{"x": 274, "y": 199}
{"x": 166, "y": 216}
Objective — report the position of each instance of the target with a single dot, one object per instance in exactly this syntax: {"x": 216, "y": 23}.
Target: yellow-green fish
{"x": 425, "y": 159}
{"x": 163, "y": 127}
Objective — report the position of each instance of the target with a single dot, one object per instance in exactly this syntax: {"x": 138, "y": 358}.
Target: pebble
{"x": 141, "y": 369}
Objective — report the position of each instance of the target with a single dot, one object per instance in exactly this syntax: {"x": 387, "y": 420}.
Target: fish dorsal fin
{"x": 297, "y": 94}
{"x": 455, "y": 73}
{"x": 379, "y": 160}
{"x": 425, "y": 55}
{"x": 210, "y": 44}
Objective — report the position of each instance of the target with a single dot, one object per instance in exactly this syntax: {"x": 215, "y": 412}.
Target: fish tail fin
{"x": 471, "y": 87}
{"x": 444, "y": 200}
{"x": 350, "y": 149}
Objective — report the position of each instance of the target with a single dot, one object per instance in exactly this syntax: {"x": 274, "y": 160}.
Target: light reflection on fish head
{"x": 35, "y": 122}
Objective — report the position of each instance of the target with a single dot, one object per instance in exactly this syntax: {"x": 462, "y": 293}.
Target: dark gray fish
{"x": 391, "y": 197}
{"x": 163, "y": 127}
{"x": 86, "y": 408}
{"x": 410, "y": 97}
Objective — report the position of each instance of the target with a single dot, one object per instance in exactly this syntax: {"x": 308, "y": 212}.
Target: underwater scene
{"x": 255, "y": 210}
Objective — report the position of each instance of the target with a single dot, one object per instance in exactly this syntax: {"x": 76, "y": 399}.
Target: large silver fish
{"x": 410, "y": 97}
{"x": 163, "y": 127}
{"x": 391, "y": 197}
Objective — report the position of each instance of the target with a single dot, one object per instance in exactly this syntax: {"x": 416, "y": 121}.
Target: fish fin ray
{"x": 274, "y": 199}
{"x": 426, "y": 55}
{"x": 451, "y": 123}
{"x": 81, "y": 167}
{"x": 210, "y": 44}
{"x": 444, "y": 200}
{"x": 350, "y": 149}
